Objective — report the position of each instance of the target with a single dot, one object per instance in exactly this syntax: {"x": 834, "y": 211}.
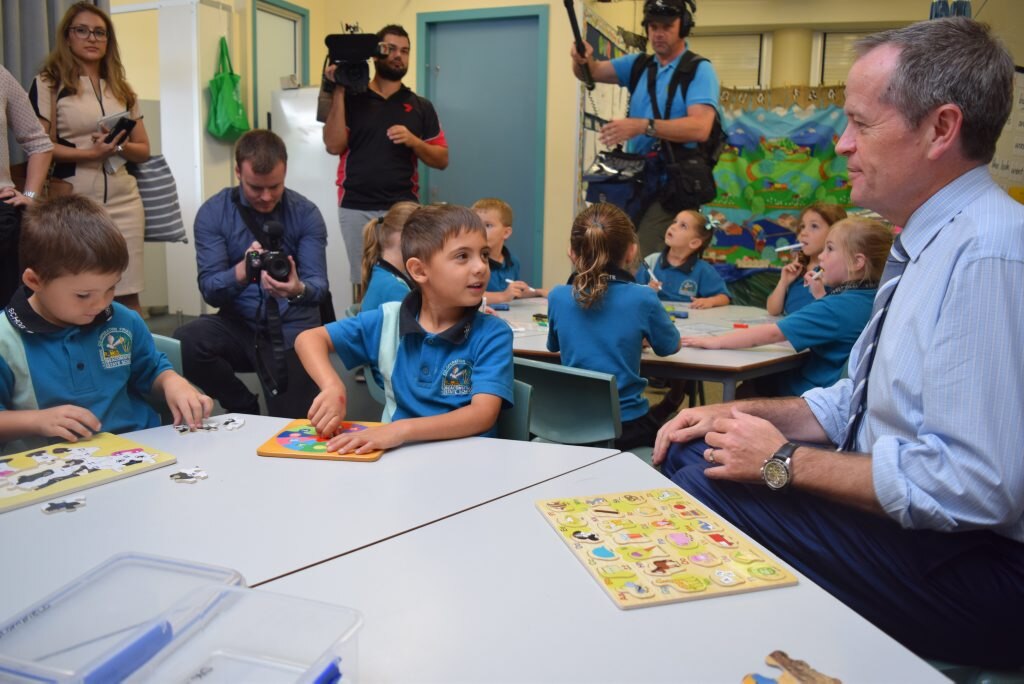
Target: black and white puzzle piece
{"x": 189, "y": 475}
{"x": 229, "y": 422}
{"x": 69, "y": 505}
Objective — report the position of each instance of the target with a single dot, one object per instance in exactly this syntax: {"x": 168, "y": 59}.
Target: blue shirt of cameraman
{"x": 222, "y": 239}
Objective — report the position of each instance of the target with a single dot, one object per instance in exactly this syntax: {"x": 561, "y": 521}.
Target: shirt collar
{"x": 387, "y": 266}
{"x": 942, "y": 208}
{"x": 408, "y": 321}
{"x": 506, "y": 258}
{"x": 687, "y": 265}
{"x": 23, "y": 317}
{"x": 615, "y": 275}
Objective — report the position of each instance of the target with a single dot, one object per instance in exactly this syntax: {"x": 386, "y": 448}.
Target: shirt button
{"x": 424, "y": 370}
{"x": 80, "y": 366}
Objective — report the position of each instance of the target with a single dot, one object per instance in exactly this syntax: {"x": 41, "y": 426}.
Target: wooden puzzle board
{"x": 299, "y": 440}
{"x": 36, "y": 475}
{"x": 659, "y": 546}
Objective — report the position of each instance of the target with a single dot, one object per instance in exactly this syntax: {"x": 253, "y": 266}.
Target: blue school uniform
{"x": 509, "y": 269}
{"x": 683, "y": 283}
{"x": 828, "y": 327}
{"x": 433, "y": 373}
{"x": 107, "y": 366}
{"x": 608, "y": 337}
{"x": 798, "y": 296}
{"x": 387, "y": 284}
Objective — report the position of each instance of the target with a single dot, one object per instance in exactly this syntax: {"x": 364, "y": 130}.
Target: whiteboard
{"x": 1008, "y": 163}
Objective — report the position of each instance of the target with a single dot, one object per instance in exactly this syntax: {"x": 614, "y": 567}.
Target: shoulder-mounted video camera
{"x": 273, "y": 259}
{"x": 350, "y": 52}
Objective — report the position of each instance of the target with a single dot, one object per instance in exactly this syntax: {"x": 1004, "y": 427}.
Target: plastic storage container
{"x": 253, "y": 636}
{"x": 106, "y": 623}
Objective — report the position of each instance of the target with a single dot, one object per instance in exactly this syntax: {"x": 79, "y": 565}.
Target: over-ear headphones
{"x": 684, "y": 9}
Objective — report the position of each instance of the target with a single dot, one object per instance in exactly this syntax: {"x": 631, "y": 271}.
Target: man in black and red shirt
{"x": 380, "y": 135}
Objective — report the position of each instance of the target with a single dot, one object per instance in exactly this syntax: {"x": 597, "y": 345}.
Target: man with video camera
{"x": 380, "y": 132}
{"x": 663, "y": 128}
{"x": 261, "y": 252}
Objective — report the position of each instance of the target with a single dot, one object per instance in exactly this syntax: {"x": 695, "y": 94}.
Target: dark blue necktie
{"x": 894, "y": 267}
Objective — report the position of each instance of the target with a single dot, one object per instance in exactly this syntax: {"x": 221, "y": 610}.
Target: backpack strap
{"x": 638, "y": 69}
{"x": 387, "y": 354}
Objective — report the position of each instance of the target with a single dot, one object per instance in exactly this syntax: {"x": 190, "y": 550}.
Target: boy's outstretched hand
{"x": 68, "y": 422}
{"x": 188, "y": 405}
{"x": 371, "y": 439}
{"x": 327, "y": 412}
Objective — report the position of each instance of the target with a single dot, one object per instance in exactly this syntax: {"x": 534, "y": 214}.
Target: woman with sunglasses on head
{"x": 85, "y": 75}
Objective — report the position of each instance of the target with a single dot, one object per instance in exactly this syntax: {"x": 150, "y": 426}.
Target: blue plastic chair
{"x": 172, "y": 348}
{"x": 571, "y": 405}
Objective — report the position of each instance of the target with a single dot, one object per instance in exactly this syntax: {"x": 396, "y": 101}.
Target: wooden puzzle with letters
{"x": 660, "y": 546}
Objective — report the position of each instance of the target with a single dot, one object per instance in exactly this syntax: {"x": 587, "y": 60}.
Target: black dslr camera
{"x": 272, "y": 259}
{"x": 349, "y": 52}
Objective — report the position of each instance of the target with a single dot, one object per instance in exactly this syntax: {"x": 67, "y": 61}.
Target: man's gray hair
{"x": 950, "y": 61}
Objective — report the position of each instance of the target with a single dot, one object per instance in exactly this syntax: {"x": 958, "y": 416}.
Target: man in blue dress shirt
{"x": 918, "y": 522}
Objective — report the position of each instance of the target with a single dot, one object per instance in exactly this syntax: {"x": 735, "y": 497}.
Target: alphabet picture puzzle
{"x": 45, "y": 473}
{"x": 660, "y": 546}
{"x": 299, "y": 440}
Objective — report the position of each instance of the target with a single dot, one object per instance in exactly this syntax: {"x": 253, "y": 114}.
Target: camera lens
{"x": 277, "y": 265}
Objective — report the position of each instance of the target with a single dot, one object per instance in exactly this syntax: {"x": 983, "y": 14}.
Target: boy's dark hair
{"x": 263, "y": 150}
{"x": 392, "y": 30}
{"x": 70, "y": 235}
{"x": 428, "y": 228}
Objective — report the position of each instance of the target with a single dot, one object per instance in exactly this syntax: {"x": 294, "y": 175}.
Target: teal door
{"x": 485, "y": 73}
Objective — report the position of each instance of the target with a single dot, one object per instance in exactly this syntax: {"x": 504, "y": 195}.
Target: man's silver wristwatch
{"x": 31, "y": 194}
{"x": 650, "y": 128}
{"x": 777, "y": 471}
{"x": 298, "y": 297}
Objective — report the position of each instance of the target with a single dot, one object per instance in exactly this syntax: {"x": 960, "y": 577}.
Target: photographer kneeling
{"x": 261, "y": 253}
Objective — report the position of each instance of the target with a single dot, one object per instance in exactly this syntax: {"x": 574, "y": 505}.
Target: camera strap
{"x": 276, "y": 378}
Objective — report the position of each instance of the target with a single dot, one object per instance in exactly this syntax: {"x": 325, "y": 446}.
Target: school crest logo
{"x": 457, "y": 379}
{"x": 115, "y": 348}
{"x": 688, "y": 289}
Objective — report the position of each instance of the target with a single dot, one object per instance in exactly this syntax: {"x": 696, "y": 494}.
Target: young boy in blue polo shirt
{"x": 447, "y": 367}
{"x": 504, "y": 284}
{"x": 72, "y": 361}
{"x": 679, "y": 273}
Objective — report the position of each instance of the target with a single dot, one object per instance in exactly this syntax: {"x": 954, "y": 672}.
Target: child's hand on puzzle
{"x": 790, "y": 272}
{"x": 701, "y": 342}
{"x": 188, "y": 405}
{"x": 371, "y": 439}
{"x": 327, "y": 412}
{"x": 67, "y": 422}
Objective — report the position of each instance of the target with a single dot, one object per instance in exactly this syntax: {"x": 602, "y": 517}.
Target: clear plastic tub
{"x": 258, "y": 637}
{"x": 106, "y": 623}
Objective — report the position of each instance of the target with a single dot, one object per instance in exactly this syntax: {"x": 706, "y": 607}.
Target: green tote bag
{"x": 228, "y": 119}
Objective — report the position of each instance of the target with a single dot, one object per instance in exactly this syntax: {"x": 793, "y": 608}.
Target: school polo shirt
{"x": 387, "y": 284}
{"x": 703, "y": 90}
{"x": 798, "y": 296}
{"x": 509, "y": 268}
{"x": 608, "y": 337}
{"x": 374, "y": 172}
{"x": 107, "y": 367}
{"x": 828, "y": 327}
{"x": 434, "y": 372}
{"x": 683, "y": 283}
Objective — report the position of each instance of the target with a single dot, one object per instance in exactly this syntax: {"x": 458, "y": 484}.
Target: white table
{"x": 726, "y": 366}
{"x": 264, "y": 516}
{"x": 493, "y": 595}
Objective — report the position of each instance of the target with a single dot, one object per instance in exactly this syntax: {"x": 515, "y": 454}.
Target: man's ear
{"x": 945, "y": 122}
{"x": 416, "y": 269}
{"x": 238, "y": 173}
{"x": 32, "y": 279}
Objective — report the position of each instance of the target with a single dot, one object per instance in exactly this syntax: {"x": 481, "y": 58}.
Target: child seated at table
{"x": 504, "y": 284}
{"x": 384, "y": 277}
{"x": 446, "y": 366}
{"x": 601, "y": 320}
{"x": 679, "y": 273}
{"x": 72, "y": 360}
{"x": 852, "y": 262}
{"x": 798, "y": 286}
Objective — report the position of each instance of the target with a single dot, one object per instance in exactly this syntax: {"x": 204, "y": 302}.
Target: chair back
{"x": 372, "y": 386}
{"x": 171, "y": 348}
{"x": 571, "y": 405}
{"x": 514, "y": 422}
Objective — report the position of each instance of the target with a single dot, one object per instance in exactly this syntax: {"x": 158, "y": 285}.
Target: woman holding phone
{"x": 84, "y": 77}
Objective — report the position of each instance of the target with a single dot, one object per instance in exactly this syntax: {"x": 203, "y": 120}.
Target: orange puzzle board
{"x": 48, "y": 472}
{"x": 659, "y": 546}
{"x": 299, "y": 440}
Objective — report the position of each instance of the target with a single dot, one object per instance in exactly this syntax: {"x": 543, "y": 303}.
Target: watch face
{"x": 775, "y": 473}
